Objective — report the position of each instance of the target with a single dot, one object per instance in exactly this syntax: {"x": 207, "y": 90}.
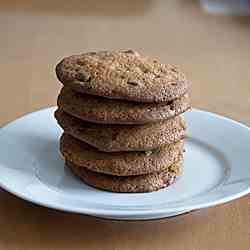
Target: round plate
{"x": 216, "y": 170}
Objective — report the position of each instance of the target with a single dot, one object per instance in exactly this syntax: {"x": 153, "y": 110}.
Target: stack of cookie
{"x": 120, "y": 116}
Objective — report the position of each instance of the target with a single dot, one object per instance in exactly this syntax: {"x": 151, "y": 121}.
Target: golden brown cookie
{"x": 115, "y": 138}
{"x": 119, "y": 163}
{"x": 128, "y": 184}
{"x": 124, "y": 75}
{"x": 102, "y": 110}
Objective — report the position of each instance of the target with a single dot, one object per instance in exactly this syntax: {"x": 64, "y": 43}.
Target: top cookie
{"x": 122, "y": 75}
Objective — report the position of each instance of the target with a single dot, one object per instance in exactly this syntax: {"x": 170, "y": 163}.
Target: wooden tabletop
{"x": 214, "y": 51}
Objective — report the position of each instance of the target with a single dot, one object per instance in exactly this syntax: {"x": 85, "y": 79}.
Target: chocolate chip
{"x": 145, "y": 71}
{"x": 83, "y": 76}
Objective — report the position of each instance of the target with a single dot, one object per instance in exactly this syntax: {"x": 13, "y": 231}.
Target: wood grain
{"x": 212, "y": 50}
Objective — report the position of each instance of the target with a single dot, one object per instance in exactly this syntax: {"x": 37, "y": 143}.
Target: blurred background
{"x": 212, "y": 49}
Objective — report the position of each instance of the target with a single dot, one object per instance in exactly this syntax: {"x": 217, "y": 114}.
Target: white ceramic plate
{"x": 216, "y": 170}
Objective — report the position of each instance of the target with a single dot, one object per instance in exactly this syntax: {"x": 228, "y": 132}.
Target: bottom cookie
{"x": 129, "y": 184}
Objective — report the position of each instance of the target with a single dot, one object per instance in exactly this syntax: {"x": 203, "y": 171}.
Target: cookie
{"x": 128, "y": 184}
{"x": 122, "y": 75}
{"x": 119, "y": 163}
{"x": 107, "y": 111}
{"x": 114, "y": 138}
